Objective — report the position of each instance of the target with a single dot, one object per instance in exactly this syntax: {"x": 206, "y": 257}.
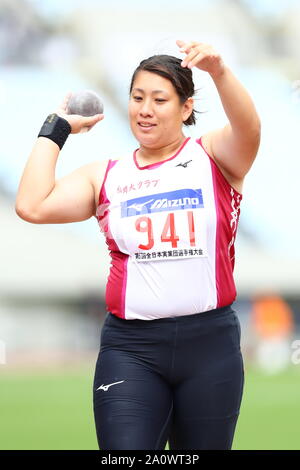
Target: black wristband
{"x": 56, "y": 128}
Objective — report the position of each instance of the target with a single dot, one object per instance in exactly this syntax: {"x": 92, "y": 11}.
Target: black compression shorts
{"x": 177, "y": 379}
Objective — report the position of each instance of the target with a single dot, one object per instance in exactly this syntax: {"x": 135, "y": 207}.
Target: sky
{"x": 259, "y": 7}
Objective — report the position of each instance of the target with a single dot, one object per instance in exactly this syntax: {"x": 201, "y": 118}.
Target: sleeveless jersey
{"x": 170, "y": 228}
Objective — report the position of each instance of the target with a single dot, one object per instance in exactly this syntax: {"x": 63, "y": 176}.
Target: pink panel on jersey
{"x": 116, "y": 283}
{"x": 227, "y": 201}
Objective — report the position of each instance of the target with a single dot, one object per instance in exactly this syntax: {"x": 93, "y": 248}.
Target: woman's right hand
{"x": 78, "y": 123}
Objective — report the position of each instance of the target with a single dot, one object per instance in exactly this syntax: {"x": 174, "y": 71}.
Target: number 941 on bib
{"x": 173, "y": 235}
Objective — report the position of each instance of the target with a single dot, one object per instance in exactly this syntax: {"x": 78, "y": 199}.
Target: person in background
{"x": 273, "y": 325}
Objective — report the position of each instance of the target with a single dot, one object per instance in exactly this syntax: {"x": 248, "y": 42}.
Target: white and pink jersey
{"x": 170, "y": 228}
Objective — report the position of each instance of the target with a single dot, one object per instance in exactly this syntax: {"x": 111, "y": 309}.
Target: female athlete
{"x": 170, "y": 367}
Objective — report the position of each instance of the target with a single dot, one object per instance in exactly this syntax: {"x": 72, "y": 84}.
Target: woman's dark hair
{"x": 170, "y": 67}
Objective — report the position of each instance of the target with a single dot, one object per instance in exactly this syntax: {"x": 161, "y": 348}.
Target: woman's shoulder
{"x": 205, "y": 141}
{"x": 97, "y": 169}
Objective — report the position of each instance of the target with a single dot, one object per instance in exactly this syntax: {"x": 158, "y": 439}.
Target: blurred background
{"x": 52, "y": 278}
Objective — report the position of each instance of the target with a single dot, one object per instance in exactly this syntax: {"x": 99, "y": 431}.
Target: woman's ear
{"x": 187, "y": 108}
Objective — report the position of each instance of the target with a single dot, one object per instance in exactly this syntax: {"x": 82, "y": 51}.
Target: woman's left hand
{"x": 203, "y": 56}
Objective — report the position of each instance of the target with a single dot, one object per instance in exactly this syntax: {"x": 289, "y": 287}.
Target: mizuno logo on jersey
{"x": 185, "y": 164}
{"x": 172, "y": 200}
{"x": 138, "y": 207}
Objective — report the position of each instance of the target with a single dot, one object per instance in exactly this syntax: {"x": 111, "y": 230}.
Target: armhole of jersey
{"x": 103, "y": 182}
{"x": 199, "y": 141}
{"x": 102, "y": 192}
{"x": 110, "y": 165}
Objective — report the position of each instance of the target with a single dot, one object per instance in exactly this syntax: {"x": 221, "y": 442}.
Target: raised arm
{"x": 234, "y": 147}
{"x": 41, "y": 198}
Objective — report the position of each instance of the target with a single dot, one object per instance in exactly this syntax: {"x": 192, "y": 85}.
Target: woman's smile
{"x": 146, "y": 126}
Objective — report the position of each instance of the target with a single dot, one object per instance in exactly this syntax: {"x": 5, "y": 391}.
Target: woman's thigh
{"x": 209, "y": 387}
{"x": 132, "y": 404}
{"x": 206, "y": 409}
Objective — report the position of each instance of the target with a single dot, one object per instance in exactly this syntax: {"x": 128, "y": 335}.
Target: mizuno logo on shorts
{"x": 172, "y": 200}
{"x": 106, "y": 387}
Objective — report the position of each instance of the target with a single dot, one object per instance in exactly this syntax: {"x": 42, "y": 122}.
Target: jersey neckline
{"x": 157, "y": 164}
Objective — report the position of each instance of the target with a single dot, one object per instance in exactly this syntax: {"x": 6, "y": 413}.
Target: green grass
{"x": 270, "y": 411}
{"x": 53, "y": 410}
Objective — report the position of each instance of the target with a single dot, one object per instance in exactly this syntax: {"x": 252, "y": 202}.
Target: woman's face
{"x": 155, "y": 112}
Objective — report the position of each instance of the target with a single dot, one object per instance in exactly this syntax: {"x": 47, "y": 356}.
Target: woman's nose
{"x": 146, "y": 109}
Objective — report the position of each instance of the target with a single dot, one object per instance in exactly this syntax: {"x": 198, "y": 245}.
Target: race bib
{"x": 165, "y": 226}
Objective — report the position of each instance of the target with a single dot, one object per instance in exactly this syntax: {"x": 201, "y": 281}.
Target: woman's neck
{"x": 147, "y": 155}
